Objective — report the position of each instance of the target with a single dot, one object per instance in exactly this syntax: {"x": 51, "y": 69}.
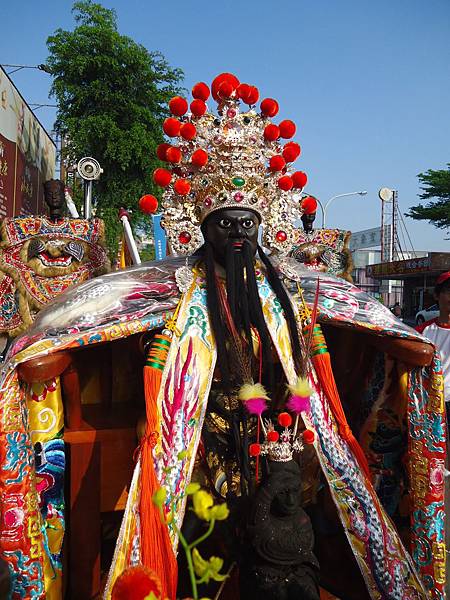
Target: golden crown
{"x": 233, "y": 159}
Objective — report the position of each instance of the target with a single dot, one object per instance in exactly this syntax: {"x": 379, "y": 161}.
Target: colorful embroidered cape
{"x": 142, "y": 298}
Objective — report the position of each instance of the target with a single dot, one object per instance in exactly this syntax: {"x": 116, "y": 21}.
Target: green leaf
{"x": 436, "y": 186}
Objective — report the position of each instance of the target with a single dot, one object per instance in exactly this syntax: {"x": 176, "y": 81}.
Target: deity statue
{"x": 278, "y": 562}
{"x": 323, "y": 250}
{"x": 40, "y": 257}
{"x": 54, "y": 197}
{"x": 238, "y": 332}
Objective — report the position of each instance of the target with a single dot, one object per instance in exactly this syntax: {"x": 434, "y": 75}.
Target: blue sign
{"x": 159, "y": 236}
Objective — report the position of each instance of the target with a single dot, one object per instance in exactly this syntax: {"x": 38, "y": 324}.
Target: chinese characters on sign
{"x": 27, "y": 154}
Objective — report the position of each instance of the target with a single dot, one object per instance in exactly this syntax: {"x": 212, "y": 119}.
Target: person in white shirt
{"x": 438, "y": 331}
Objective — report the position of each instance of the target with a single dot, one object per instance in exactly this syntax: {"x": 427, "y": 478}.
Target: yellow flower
{"x": 204, "y": 506}
{"x": 207, "y": 569}
{"x": 219, "y": 512}
{"x": 192, "y": 488}
{"x": 202, "y": 502}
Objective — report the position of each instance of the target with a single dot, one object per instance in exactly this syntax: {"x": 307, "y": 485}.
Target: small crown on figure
{"x": 281, "y": 447}
{"x": 231, "y": 159}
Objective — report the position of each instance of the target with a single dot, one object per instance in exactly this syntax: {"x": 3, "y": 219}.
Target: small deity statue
{"x": 54, "y": 198}
{"x": 324, "y": 250}
{"x": 279, "y": 560}
{"x": 308, "y": 221}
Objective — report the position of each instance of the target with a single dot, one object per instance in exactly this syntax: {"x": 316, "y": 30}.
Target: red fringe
{"x": 324, "y": 371}
{"x": 322, "y": 366}
{"x": 156, "y": 547}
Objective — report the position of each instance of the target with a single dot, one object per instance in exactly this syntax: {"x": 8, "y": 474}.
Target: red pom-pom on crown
{"x": 252, "y": 96}
{"x": 148, "y": 204}
{"x": 271, "y": 132}
{"x": 254, "y": 449}
{"x": 277, "y": 163}
{"x": 309, "y": 205}
{"x": 243, "y": 91}
{"x": 188, "y": 131}
{"x": 162, "y": 177}
{"x": 178, "y": 106}
{"x": 161, "y": 151}
{"x": 273, "y": 436}
{"x": 284, "y": 419}
{"x": 287, "y": 129}
{"x": 285, "y": 183}
{"x": 198, "y": 108}
{"x": 171, "y": 127}
{"x": 269, "y": 107}
{"x": 182, "y": 187}
{"x": 300, "y": 179}
{"x": 199, "y": 158}
{"x": 309, "y": 436}
{"x": 225, "y": 90}
{"x": 200, "y": 91}
{"x": 291, "y": 151}
{"x": 173, "y": 154}
{"x": 223, "y": 77}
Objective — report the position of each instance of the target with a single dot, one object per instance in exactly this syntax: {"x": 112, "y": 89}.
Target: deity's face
{"x": 308, "y": 221}
{"x": 54, "y": 194}
{"x": 287, "y": 499}
{"x": 230, "y": 224}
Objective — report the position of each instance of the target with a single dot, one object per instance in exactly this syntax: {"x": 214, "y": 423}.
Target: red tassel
{"x": 156, "y": 547}
{"x": 322, "y": 365}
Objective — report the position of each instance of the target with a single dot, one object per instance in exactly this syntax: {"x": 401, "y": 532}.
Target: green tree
{"x": 435, "y": 184}
{"x": 112, "y": 96}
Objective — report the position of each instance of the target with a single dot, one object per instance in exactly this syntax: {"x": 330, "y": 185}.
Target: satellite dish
{"x": 386, "y": 194}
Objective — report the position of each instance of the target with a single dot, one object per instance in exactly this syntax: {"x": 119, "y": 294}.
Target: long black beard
{"x": 246, "y": 311}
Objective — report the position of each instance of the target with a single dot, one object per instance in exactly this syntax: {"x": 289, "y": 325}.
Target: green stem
{"x": 203, "y": 537}
{"x": 187, "y": 550}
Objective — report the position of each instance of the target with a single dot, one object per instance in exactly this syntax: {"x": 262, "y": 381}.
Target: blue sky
{"x": 366, "y": 82}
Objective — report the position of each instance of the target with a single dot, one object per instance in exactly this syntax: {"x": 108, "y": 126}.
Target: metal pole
{"x": 87, "y": 199}
{"x": 394, "y": 224}
{"x": 129, "y": 238}
{"x": 324, "y": 210}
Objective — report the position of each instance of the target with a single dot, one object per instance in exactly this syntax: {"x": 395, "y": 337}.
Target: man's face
{"x": 230, "y": 224}
{"x": 443, "y": 298}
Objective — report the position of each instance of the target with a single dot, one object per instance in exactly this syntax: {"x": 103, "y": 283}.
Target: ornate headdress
{"x": 235, "y": 159}
{"x": 280, "y": 447}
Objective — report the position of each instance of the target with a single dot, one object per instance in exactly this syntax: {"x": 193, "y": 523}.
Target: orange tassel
{"x": 156, "y": 547}
{"x": 322, "y": 365}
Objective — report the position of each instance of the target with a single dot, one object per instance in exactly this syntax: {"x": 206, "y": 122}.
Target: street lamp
{"x": 15, "y": 68}
{"x": 325, "y": 208}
